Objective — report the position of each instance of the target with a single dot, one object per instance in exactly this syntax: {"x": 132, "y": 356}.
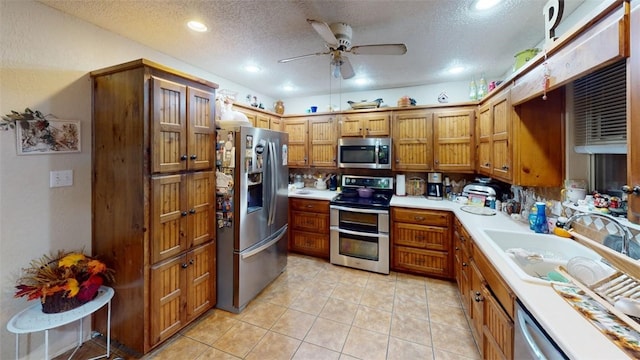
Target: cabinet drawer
{"x": 498, "y": 287}
{"x": 422, "y": 217}
{"x": 422, "y": 261}
{"x": 461, "y": 236}
{"x": 421, "y": 236}
{"x": 318, "y": 223}
{"x": 309, "y": 205}
{"x": 310, "y": 243}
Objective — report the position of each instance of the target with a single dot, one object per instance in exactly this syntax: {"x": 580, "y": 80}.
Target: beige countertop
{"x": 577, "y": 337}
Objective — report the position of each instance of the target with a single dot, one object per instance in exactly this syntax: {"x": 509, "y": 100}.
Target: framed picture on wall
{"x": 38, "y": 137}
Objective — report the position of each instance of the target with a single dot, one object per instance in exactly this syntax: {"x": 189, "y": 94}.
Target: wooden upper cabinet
{"x": 263, "y": 121}
{"x": 251, "y": 115}
{"x": 323, "y": 135}
{"x": 494, "y": 129}
{"x": 484, "y": 132}
{"x": 633, "y": 118}
{"x": 200, "y": 141}
{"x": 275, "y": 123}
{"x": 501, "y": 163}
{"x": 365, "y": 124}
{"x": 454, "y": 141}
{"x": 412, "y": 140}
{"x": 298, "y": 130}
{"x": 182, "y": 139}
{"x": 182, "y": 213}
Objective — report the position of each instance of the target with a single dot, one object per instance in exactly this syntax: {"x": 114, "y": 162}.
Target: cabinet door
{"x": 275, "y": 123}
{"x": 263, "y": 121}
{"x": 201, "y": 214}
{"x": 476, "y": 312}
{"x": 322, "y": 141}
{"x": 297, "y": 128}
{"x": 497, "y": 329}
{"x": 484, "y": 132}
{"x": 453, "y": 141}
{"x": 167, "y": 292}
{"x": 251, "y": 115}
{"x": 376, "y": 124}
{"x": 413, "y": 140}
{"x": 168, "y": 126}
{"x": 502, "y": 151}
{"x": 201, "y": 280}
{"x": 350, "y": 126}
{"x": 200, "y": 141}
{"x": 169, "y": 217}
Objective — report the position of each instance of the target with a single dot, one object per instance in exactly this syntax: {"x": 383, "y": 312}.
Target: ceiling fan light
{"x": 252, "y": 68}
{"x": 456, "y": 69}
{"x": 335, "y": 71}
{"x": 485, "y": 4}
{"x": 197, "y": 26}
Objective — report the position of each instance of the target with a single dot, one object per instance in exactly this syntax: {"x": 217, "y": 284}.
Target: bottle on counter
{"x": 473, "y": 90}
{"x": 540, "y": 223}
{"x": 482, "y": 87}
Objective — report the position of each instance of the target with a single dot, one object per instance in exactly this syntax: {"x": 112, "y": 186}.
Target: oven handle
{"x": 358, "y": 210}
{"x": 358, "y": 233}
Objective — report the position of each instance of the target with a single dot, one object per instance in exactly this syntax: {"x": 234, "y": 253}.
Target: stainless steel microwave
{"x": 364, "y": 153}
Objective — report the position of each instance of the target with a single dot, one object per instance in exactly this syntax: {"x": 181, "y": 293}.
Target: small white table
{"x": 32, "y": 319}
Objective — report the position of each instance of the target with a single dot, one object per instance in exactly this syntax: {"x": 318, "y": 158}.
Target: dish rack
{"x": 624, "y": 282}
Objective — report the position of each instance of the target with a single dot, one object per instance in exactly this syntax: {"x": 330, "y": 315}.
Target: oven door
{"x": 360, "y": 238}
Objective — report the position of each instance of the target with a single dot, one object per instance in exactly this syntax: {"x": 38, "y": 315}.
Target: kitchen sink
{"x": 532, "y": 256}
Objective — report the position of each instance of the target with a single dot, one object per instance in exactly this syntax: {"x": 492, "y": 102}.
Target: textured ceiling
{"x": 438, "y": 34}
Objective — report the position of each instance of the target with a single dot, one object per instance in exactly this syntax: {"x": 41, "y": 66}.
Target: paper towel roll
{"x": 400, "y": 185}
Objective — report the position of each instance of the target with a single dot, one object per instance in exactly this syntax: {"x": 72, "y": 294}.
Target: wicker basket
{"x": 415, "y": 186}
{"x": 59, "y": 302}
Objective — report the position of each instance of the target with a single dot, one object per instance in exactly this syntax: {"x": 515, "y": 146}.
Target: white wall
{"x": 45, "y": 60}
{"x": 424, "y": 95}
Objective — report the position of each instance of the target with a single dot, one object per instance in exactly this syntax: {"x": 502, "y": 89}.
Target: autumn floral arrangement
{"x": 63, "y": 281}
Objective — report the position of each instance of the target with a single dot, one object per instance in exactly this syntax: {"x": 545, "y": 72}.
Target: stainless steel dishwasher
{"x": 530, "y": 340}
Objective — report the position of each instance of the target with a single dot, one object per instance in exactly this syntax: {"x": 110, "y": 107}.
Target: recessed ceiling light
{"x": 362, "y": 81}
{"x": 456, "y": 69}
{"x": 485, "y": 4}
{"x": 288, "y": 88}
{"x": 252, "y": 68}
{"x": 197, "y": 26}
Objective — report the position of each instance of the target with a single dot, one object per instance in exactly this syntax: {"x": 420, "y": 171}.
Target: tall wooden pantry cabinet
{"x": 152, "y": 198}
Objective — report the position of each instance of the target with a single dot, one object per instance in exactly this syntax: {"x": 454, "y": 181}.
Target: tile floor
{"x": 316, "y": 310}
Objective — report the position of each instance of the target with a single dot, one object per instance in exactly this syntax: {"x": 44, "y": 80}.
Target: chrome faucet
{"x": 626, "y": 234}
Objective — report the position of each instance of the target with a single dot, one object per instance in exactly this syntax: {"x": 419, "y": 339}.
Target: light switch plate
{"x": 60, "y": 178}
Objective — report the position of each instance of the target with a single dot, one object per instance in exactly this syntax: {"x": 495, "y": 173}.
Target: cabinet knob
{"x": 631, "y": 190}
{"x": 505, "y": 167}
{"x": 183, "y": 157}
{"x": 192, "y": 261}
{"x": 192, "y": 211}
{"x": 193, "y": 157}
{"x": 487, "y": 164}
{"x": 464, "y": 264}
{"x": 184, "y": 265}
{"x": 184, "y": 213}
{"x": 478, "y": 299}
{"x": 477, "y": 293}
{"x": 437, "y": 162}
{"x": 419, "y": 218}
{"x": 397, "y": 160}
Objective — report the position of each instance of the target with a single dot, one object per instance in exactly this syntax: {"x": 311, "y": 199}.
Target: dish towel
{"x": 525, "y": 255}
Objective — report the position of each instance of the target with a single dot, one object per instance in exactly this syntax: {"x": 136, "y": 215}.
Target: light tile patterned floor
{"x": 316, "y": 310}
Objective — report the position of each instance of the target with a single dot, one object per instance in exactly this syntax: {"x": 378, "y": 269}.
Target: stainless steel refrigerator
{"x": 252, "y": 208}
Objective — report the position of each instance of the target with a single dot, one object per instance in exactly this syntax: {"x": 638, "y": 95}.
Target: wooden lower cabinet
{"x": 182, "y": 288}
{"x": 462, "y": 251}
{"x": 487, "y": 299}
{"x": 309, "y": 227}
{"x": 421, "y": 242}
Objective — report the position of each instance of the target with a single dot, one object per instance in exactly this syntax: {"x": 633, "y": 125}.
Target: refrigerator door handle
{"x": 257, "y": 250}
{"x": 274, "y": 185}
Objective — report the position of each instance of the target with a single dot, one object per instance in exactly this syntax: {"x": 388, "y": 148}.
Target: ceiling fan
{"x": 338, "y": 42}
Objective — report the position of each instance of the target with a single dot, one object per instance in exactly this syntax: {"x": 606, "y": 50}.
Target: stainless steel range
{"x": 360, "y": 223}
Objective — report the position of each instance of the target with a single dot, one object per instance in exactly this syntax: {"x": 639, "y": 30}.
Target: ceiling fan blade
{"x": 301, "y": 57}
{"x": 324, "y": 31}
{"x": 346, "y": 70}
{"x": 381, "y": 49}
